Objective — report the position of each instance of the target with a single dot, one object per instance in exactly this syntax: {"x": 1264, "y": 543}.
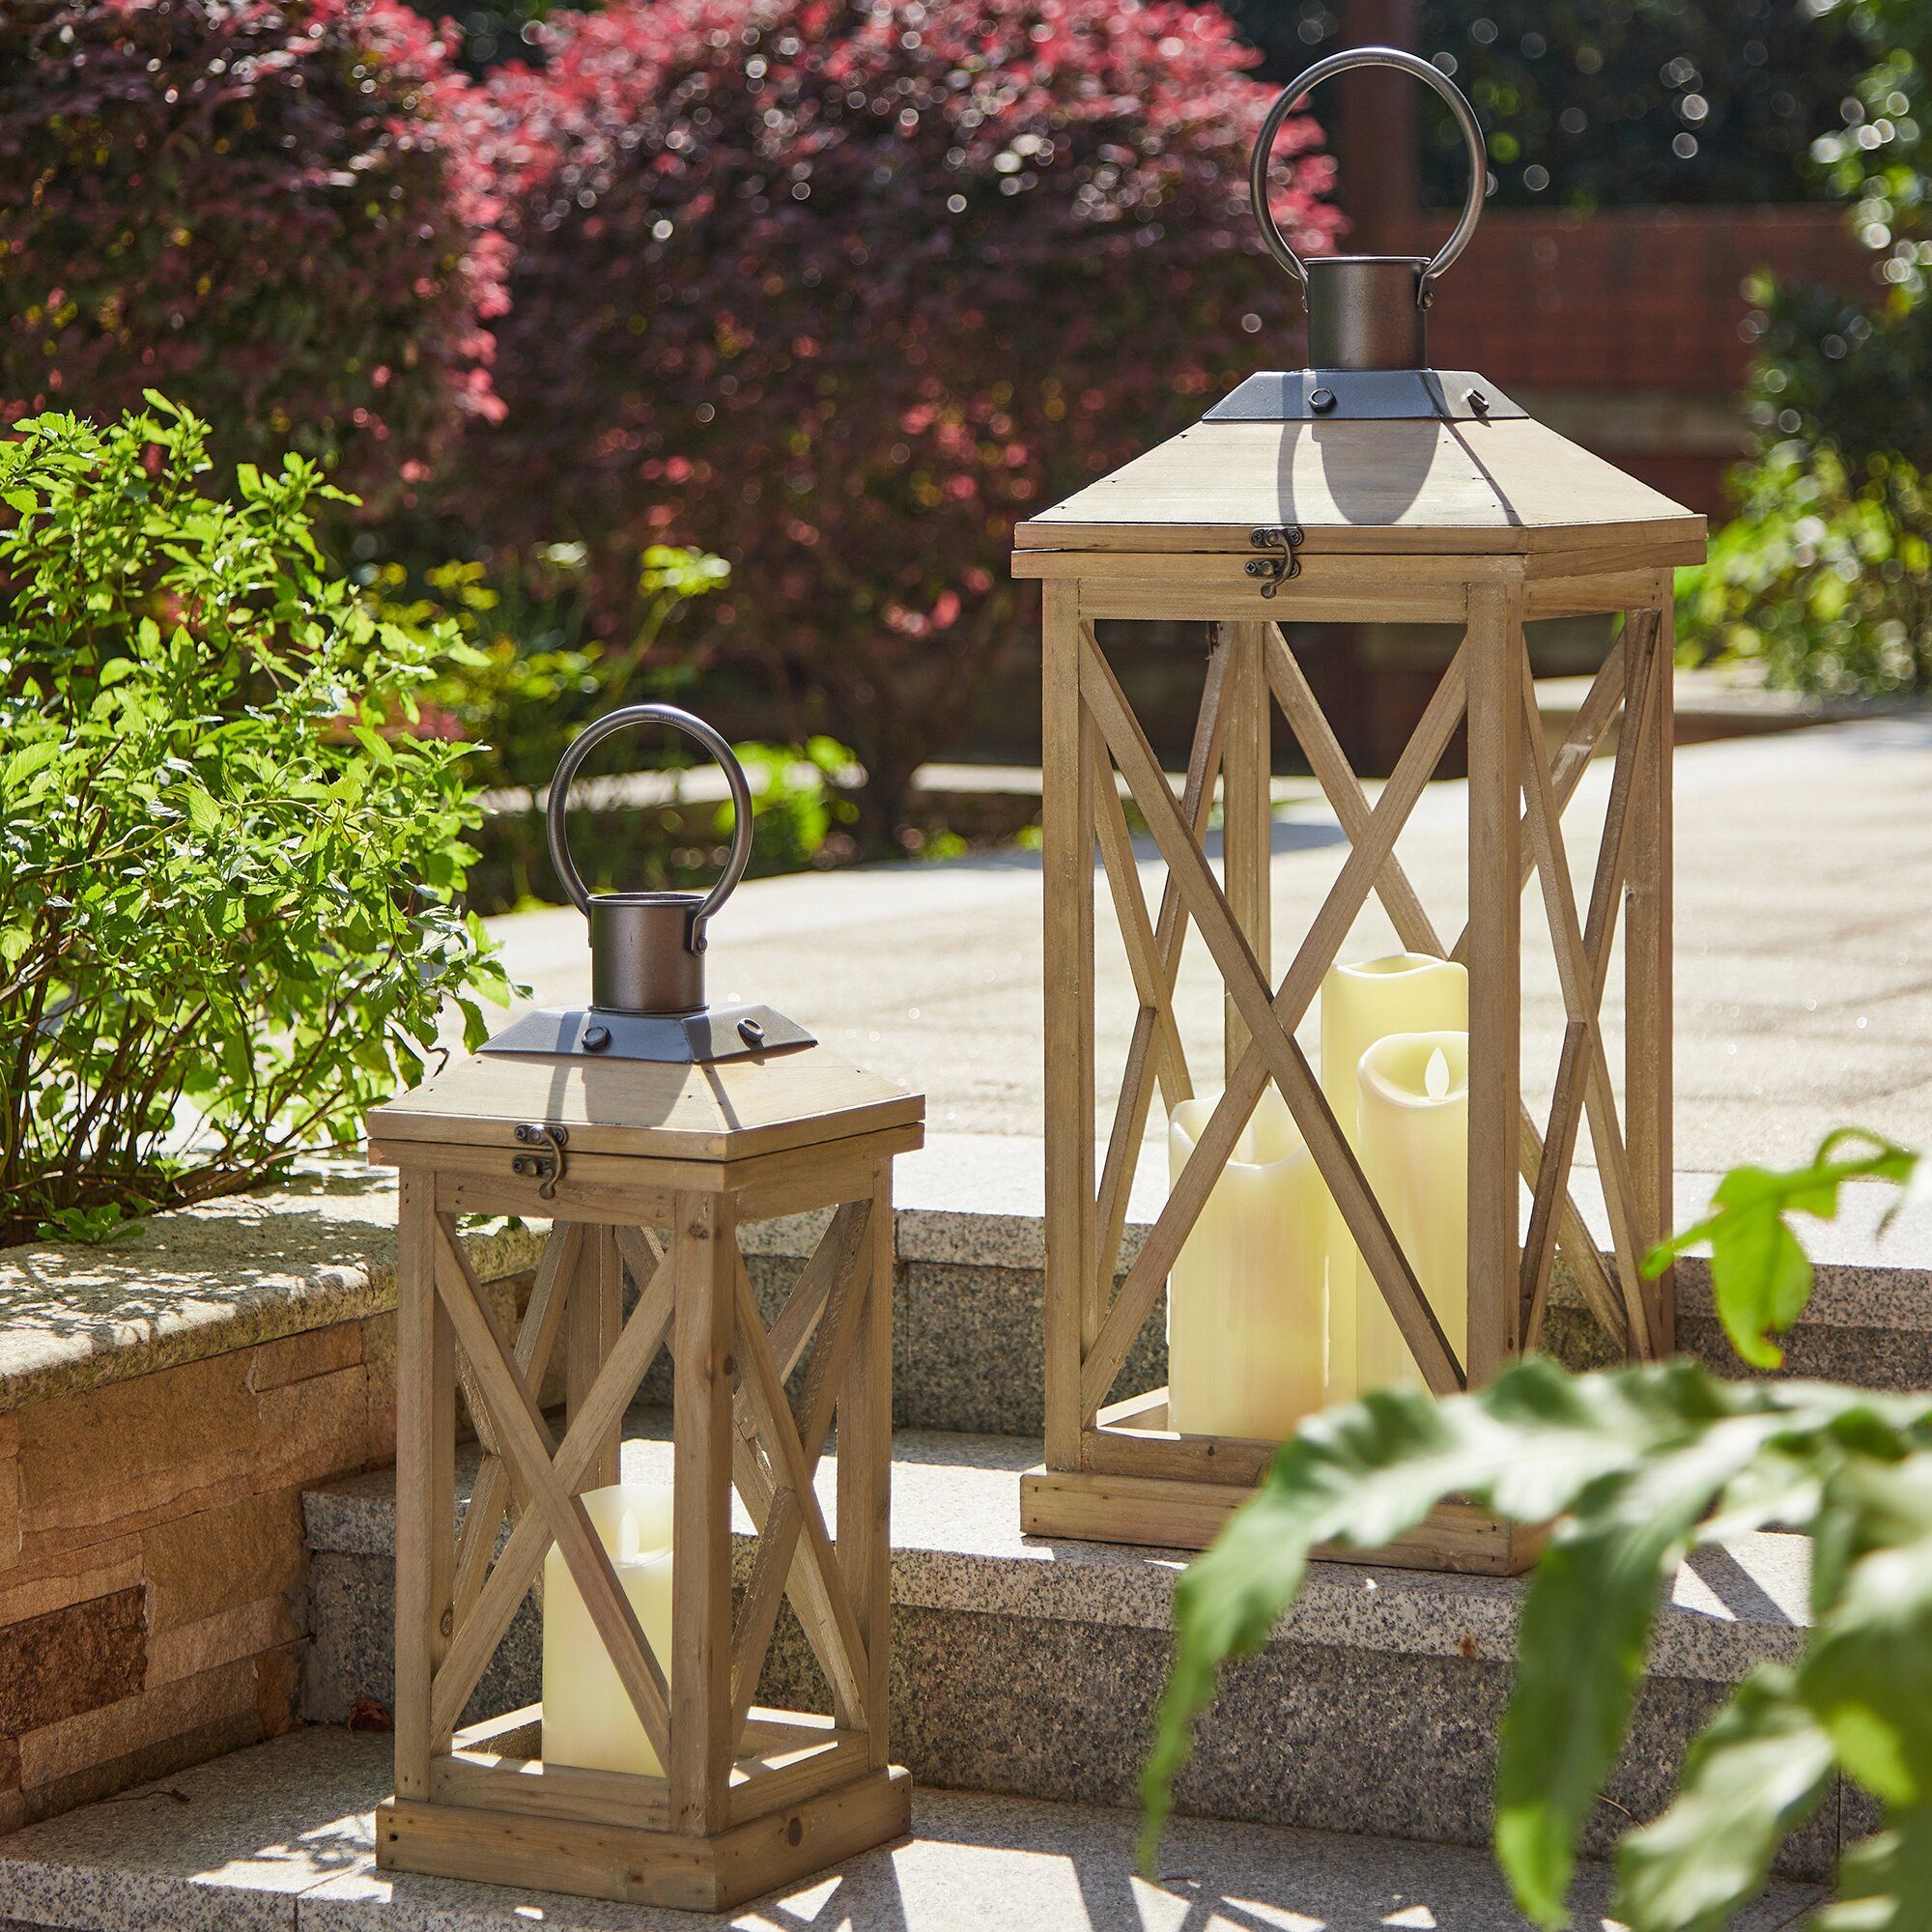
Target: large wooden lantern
{"x": 1367, "y": 488}
{"x": 648, "y": 1129}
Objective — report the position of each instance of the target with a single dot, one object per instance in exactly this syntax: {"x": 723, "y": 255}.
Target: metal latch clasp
{"x": 1283, "y": 541}
{"x": 547, "y": 1168}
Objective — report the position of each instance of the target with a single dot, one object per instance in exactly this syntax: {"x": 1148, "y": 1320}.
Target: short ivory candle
{"x": 587, "y": 1717}
{"x": 1246, "y": 1297}
{"x": 1414, "y": 1133}
{"x": 1362, "y": 1003}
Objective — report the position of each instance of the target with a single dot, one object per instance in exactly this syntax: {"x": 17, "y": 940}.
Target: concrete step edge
{"x": 958, "y": 1549}
{"x": 978, "y": 1200}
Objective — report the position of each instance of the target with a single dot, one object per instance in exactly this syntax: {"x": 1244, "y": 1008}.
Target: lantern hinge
{"x": 1283, "y": 542}
{"x": 546, "y": 1168}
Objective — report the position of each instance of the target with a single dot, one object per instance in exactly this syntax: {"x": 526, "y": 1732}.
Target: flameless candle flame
{"x": 1436, "y": 1082}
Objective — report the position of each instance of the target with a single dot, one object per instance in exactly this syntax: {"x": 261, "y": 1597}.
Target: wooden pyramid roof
{"x": 721, "y": 1111}
{"x": 1507, "y": 486}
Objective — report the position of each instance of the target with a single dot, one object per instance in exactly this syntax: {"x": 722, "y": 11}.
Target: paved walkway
{"x": 1804, "y": 966}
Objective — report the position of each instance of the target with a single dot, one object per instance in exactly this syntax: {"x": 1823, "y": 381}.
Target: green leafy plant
{"x": 1760, "y": 1274}
{"x": 1822, "y": 579}
{"x": 801, "y": 798}
{"x": 530, "y": 672}
{"x": 802, "y": 816}
{"x": 96, "y": 1227}
{"x": 524, "y": 676}
{"x": 229, "y": 875}
{"x": 1632, "y": 1468}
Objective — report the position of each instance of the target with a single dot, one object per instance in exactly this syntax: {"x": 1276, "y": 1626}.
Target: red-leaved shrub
{"x": 272, "y": 211}
{"x": 841, "y": 288}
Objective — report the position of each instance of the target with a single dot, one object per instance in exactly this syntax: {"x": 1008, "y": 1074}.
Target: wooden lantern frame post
{"x": 1113, "y": 1471}
{"x": 752, "y": 1797}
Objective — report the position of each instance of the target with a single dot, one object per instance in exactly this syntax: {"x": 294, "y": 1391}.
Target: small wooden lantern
{"x": 1368, "y": 488}
{"x": 649, "y": 1137}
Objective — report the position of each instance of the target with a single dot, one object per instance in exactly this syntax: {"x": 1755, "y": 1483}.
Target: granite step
{"x": 279, "y": 1839}
{"x": 1030, "y": 1668}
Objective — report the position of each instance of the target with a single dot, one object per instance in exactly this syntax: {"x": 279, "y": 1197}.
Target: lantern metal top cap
{"x": 1367, "y": 446}
{"x": 647, "y": 947}
{"x": 1368, "y": 315}
{"x": 586, "y": 741}
{"x": 1291, "y": 95}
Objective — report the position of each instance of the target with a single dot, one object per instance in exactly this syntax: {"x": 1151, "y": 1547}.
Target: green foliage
{"x": 1636, "y": 1465}
{"x": 799, "y": 794}
{"x": 1760, "y": 1274}
{"x": 1633, "y": 1468}
{"x": 1835, "y": 370}
{"x": 524, "y": 676}
{"x": 228, "y": 878}
{"x": 96, "y": 1227}
{"x": 802, "y": 816}
{"x": 1877, "y": 158}
{"x": 1825, "y": 576}
{"x": 1760, "y": 1768}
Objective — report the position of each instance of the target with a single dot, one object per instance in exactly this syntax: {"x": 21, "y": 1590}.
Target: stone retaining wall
{"x": 153, "y": 1583}
{"x": 163, "y": 1405}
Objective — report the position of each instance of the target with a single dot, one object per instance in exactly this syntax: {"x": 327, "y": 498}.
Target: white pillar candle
{"x": 1362, "y": 1003}
{"x": 587, "y": 1714}
{"x": 1413, "y": 1132}
{"x": 1246, "y": 1299}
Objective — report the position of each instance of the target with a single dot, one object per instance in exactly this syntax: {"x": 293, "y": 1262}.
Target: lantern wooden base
{"x": 1142, "y": 1482}
{"x": 511, "y": 1821}
{"x": 1172, "y": 1513}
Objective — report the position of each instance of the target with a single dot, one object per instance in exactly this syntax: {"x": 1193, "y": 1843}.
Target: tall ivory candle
{"x": 587, "y": 1716}
{"x": 1362, "y": 1003}
{"x": 1414, "y": 1133}
{"x": 1246, "y": 1299}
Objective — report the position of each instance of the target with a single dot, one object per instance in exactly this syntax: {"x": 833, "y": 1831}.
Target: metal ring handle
{"x": 590, "y": 737}
{"x": 1342, "y": 62}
